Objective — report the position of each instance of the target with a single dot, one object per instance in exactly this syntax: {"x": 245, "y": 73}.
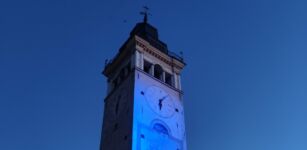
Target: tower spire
{"x": 146, "y": 13}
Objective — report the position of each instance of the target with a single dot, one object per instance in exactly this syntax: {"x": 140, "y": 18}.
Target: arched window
{"x": 160, "y": 128}
{"x": 147, "y": 67}
{"x": 169, "y": 79}
{"x": 158, "y": 72}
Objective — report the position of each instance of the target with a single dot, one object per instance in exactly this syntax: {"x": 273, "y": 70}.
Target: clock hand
{"x": 163, "y": 98}
{"x": 160, "y": 104}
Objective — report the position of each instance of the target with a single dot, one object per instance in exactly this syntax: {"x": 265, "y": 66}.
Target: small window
{"x": 127, "y": 68}
{"x": 158, "y": 72}
{"x": 115, "y": 83}
{"x": 169, "y": 79}
{"x": 147, "y": 67}
{"x": 117, "y": 104}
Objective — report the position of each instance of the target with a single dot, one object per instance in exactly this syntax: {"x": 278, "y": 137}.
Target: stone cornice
{"x": 145, "y": 46}
{"x": 141, "y": 45}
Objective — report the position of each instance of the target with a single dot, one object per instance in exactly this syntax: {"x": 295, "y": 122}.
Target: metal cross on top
{"x": 146, "y": 13}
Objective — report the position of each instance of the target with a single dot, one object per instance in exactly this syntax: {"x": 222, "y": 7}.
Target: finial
{"x": 145, "y": 13}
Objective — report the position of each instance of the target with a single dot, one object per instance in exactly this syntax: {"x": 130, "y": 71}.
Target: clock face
{"x": 159, "y": 101}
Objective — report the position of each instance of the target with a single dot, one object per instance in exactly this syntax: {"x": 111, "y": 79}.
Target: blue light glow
{"x": 152, "y": 131}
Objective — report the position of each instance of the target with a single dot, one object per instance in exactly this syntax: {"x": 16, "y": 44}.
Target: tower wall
{"x": 143, "y": 109}
{"x": 144, "y": 135}
{"x": 117, "y": 127}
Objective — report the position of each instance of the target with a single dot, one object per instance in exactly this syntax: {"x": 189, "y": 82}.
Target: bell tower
{"x": 144, "y": 106}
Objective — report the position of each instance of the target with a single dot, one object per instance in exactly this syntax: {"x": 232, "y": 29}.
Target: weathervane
{"x": 145, "y": 13}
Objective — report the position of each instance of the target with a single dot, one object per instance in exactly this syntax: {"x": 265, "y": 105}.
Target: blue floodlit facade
{"x": 144, "y": 105}
{"x": 151, "y": 131}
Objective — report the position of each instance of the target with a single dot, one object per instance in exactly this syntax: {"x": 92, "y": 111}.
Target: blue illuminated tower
{"x": 144, "y": 105}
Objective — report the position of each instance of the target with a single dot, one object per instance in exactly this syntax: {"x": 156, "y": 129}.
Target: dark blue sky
{"x": 245, "y": 84}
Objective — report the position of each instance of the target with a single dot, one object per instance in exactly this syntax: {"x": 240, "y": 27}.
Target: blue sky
{"x": 245, "y": 84}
